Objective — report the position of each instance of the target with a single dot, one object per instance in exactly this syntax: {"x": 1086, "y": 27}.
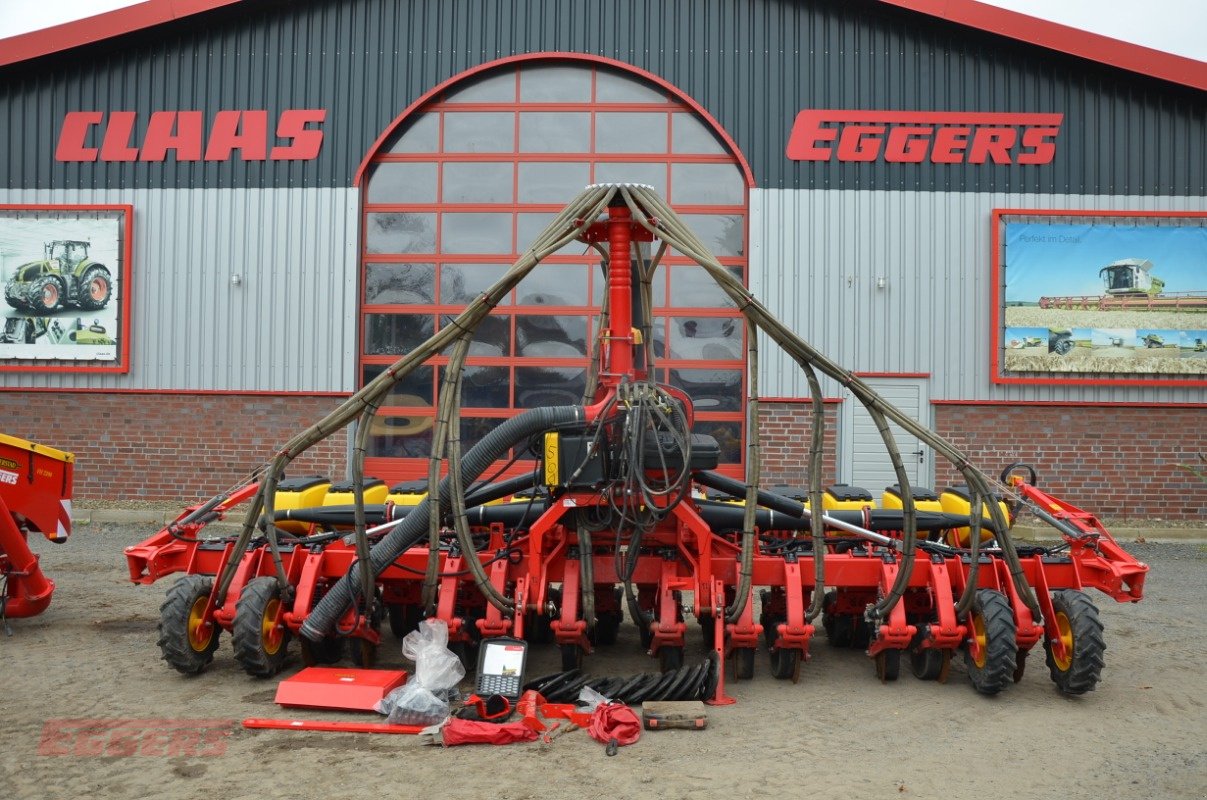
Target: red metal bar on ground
{"x": 329, "y": 726}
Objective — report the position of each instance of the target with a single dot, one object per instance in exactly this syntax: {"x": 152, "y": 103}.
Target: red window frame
{"x": 674, "y": 103}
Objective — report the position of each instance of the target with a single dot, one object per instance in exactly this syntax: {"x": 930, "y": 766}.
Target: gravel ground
{"x": 837, "y": 733}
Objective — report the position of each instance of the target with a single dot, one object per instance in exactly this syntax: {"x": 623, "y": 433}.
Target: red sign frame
{"x": 997, "y": 299}
{"x": 122, "y": 365}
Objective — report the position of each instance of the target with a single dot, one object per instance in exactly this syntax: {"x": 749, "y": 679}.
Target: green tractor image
{"x": 1152, "y": 340}
{"x": 64, "y": 278}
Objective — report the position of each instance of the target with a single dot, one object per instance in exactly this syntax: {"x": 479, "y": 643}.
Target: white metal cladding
{"x": 290, "y": 323}
{"x": 816, "y": 256}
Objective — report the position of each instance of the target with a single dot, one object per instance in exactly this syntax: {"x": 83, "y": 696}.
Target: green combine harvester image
{"x": 64, "y": 278}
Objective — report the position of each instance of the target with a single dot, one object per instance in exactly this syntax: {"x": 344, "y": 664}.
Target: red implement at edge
{"x": 329, "y": 726}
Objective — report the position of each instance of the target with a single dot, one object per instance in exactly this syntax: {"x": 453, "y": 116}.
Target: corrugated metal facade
{"x": 817, "y": 255}
{"x": 752, "y": 65}
{"x": 290, "y": 323}
{"x": 821, "y": 232}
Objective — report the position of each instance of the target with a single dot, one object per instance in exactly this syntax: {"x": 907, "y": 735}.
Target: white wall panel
{"x": 816, "y": 257}
{"x": 290, "y": 323}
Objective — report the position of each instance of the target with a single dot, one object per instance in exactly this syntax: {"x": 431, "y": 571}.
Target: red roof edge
{"x": 102, "y": 26}
{"x": 1074, "y": 41}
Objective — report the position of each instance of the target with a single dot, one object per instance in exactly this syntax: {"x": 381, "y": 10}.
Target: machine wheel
{"x": 572, "y": 657}
{"x": 861, "y": 633}
{"x": 362, "y": 652}
{"x": 927, "y": 665}
{"x": 183, "y": 646}
{"x": 607, "y": 627}
{"x": 785, "y": 663}
{"x": 327, "y": 651}
{"x": 888, "y": 665}
{"x": 260, "y": 643}
{"x": 404, "y": 618}
{"x": 96, "y": 287}
{"x": 1079, "y": 668}
{"x": 467, "y": 651}
{"x": 46, "y": 295}
{"x": 743, "y": 663}
{"x": 991, "y": 650}
{"x": 670, "y": 658}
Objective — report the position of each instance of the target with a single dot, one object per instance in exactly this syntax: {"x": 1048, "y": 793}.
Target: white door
{"x": 864, "y": 457}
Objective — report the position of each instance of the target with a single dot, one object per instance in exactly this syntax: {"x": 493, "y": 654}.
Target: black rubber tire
{"x": 670, "y": 658}
{"x": 328, "y": 651}
{"x": 641, "y": 692}
{"x": 39, "y": 304}
{"x": 625, "y": 691}
{"x": 183, "y": 652}
{"x": 708, "y": 631}
{"x": 538, "y": 624}
{"x": 404, "y": 618}
{"x": 362, "y": 652}
{"x": 713, "y": 676}
{"x": 607, "y": 627}
{"x": 785, "y": 663}
{"x": 663, "y": 685}
{"x": 84, "y": 299}
{"x": 992, "y": 619}
{"x": 258, "y": 654}
{"x": 840, "y": 628}
{"x": 1084, "y": 669}
{"x": 927, "y": 665}
{"x": 572, "y": 656}
{"x": 770, "y": 622}
{"x": 467, "y": 652}
{"x": 888, "y": 665}
{"x": 743, "y": 663}
{"x": 861, "y": 633}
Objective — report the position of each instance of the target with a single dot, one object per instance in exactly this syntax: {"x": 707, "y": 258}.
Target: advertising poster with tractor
{"x": 63, "y": 271}
{"x": 1105, "y": 297}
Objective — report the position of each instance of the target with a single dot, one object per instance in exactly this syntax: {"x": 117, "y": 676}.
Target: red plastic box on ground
{"x": 338, "y": 689}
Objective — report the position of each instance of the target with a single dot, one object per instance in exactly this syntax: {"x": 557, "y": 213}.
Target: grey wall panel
{"x": 752, "y": 64}
{"x": 290, "y": 324}
{"x": 816, "y": 257}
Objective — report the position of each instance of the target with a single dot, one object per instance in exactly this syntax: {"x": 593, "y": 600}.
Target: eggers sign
{"x": 101, "y": 136}
{"x": 912, "y": 137}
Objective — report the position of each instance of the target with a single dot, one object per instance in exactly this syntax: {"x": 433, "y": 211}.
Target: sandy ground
{"x": 838, "y": 733}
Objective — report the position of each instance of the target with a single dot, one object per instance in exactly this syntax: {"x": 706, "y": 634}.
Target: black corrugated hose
{"x": 408, "y": 532}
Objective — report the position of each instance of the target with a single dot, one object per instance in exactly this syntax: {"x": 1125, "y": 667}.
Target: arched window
{"x": 466, "y": 181}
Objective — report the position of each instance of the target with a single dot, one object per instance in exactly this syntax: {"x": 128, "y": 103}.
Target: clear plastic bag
{"x": 436, "y": 667}
{"x": 425, "y": 698}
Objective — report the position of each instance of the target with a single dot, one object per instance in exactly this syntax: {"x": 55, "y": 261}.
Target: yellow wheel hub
{"x": 199, "y": 637}
{"x": 270, "y": 633}
{"x": 1063, "y": 653}
{"x": 980, "y": 642}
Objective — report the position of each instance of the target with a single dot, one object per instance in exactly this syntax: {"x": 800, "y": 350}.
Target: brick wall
{"x": 785, "y": 430}
{"x": 1112, "y": 461}
{"x": 175, "y": 447}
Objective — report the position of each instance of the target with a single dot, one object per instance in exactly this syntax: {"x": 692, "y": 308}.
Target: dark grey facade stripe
{"x": 751, "y": 63}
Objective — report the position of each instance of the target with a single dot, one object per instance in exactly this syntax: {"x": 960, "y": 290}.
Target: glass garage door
{"x": 465, "y": 184}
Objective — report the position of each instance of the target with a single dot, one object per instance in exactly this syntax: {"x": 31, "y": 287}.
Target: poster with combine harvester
{"x": 1100, "y": 297}
{"x": 65, "y": 273}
